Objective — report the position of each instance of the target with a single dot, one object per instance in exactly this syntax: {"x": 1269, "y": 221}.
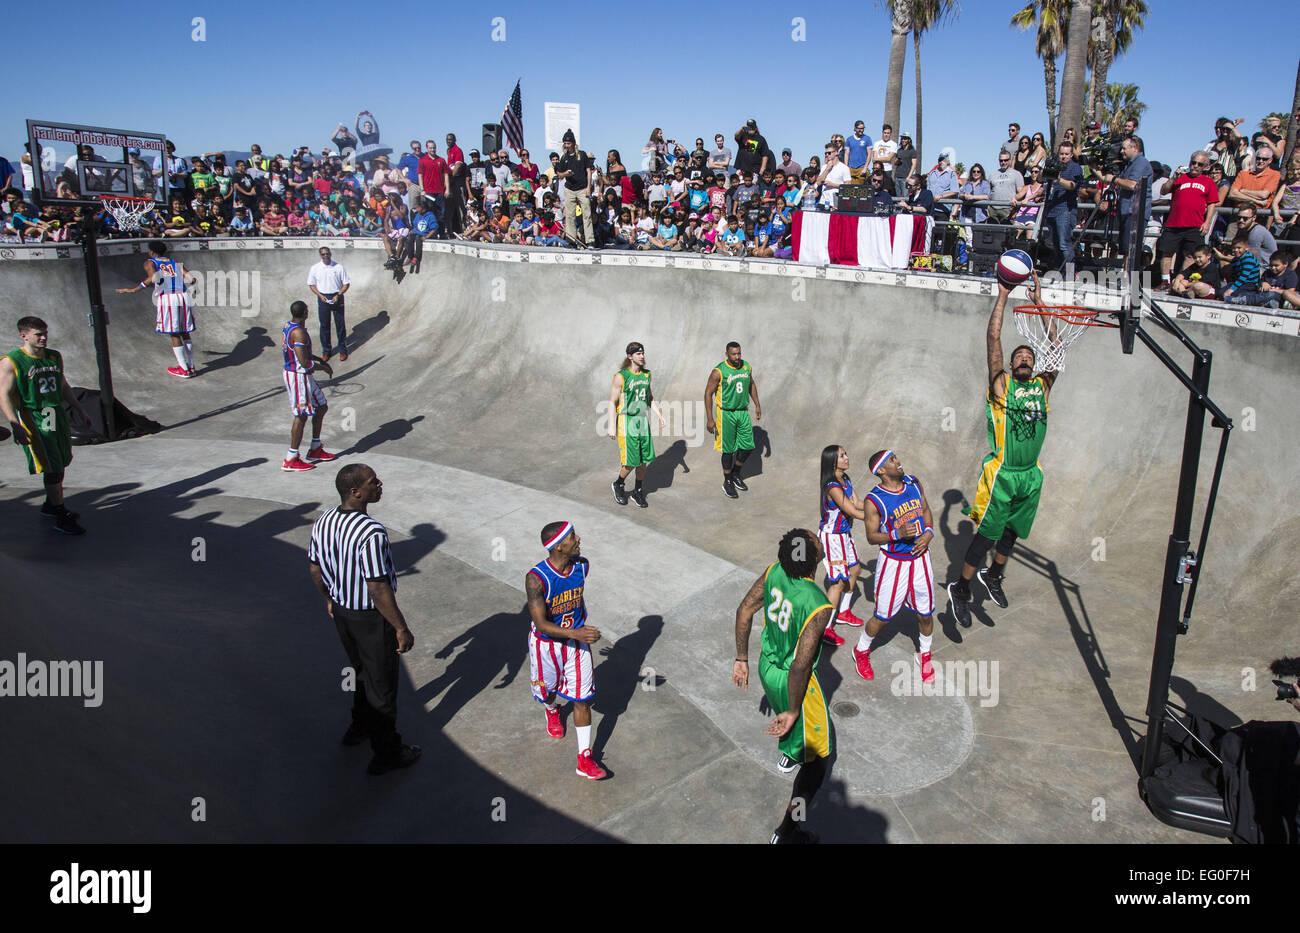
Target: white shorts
{"x": 902, "y": 583}
{"x": 305, "y": 396}
{"x": 560, "y": 668}
{"x": 840, "y": 554}
{"x": 173, "y": 313}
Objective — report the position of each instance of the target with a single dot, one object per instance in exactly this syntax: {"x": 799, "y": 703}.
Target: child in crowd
{"x": 549, "y": 230}
{"x": 1200, "y": 277}
{"x": 1244, "y": 273}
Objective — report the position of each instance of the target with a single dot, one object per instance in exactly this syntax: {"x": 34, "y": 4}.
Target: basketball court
{"x": 475, "y": 390}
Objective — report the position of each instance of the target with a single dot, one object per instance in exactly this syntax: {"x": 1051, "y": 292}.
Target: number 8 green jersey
{"x": 788, "y": 604}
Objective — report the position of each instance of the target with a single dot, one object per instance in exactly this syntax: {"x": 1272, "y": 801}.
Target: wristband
{"x": 927, "y": 528}
{"x": 743, "y": 660}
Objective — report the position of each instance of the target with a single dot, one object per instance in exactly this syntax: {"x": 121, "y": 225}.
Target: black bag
{"x": 127, "y": 422}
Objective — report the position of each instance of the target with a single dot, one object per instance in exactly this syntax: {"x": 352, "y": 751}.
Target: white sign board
{"x": 561, "y": 117}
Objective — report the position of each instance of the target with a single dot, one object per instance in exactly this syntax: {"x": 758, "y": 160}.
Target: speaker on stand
{"x": 492, "y": 138}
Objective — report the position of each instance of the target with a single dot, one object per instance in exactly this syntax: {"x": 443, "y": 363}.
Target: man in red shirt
{"x": 435, "y": 180}
{"x": 454, "y": 154}
{"x": 1191, "y": 214}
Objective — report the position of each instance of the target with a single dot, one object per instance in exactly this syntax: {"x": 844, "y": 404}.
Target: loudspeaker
{"x": 989, "y": 241}
{"x": 491, "y": 138}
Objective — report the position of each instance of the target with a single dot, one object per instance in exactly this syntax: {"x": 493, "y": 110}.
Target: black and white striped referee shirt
{"x": 351, "y": 548}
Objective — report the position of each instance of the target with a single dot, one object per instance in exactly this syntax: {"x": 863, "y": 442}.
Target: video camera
{"x": 1102, "y": 151}
{"x": 1286, "y": 667}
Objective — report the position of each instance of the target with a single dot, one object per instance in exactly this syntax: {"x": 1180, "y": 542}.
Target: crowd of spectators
{"x": 735, "y": 198}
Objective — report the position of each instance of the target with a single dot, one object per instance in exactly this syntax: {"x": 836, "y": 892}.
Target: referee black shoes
{"x": 407, "y": 756}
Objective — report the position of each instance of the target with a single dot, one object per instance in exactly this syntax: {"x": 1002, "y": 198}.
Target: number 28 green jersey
{"x": 788, "y": 604}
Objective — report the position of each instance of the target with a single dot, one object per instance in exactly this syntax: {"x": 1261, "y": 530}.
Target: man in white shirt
{"x": 834, "y": 173}
{"x": 329, "y": 281}
{"x": 885, "y": 151}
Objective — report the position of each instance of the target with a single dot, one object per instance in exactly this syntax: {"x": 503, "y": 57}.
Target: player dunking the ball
{"x": 726, "y": 406}
{"x": 560, "y": 640}
{"x": 795, "y": 613}
{"x": 899, "y": 520}
{"x": 306, "y": 399}
{"x": 175, "y": 317}
{"x": 1011, "y": 481}
{"x": 839, "y": 506}
{"x": 630, "y": 397}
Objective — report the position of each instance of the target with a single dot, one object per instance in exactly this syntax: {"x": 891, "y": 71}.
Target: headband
{"x": 558, "y": 537}
{"x": 881, "y": 461}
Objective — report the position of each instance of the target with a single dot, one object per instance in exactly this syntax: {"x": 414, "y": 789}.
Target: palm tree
{"x": 1075, "y": 71}
{"x": 900, "y": 24}
{"x": 1291, "y": 124}
{"x": 1052, "y": 18}
{"x": 1119, "y": 102}
{"x": 926, "y": 14}
{"x": 1113, "y": 25}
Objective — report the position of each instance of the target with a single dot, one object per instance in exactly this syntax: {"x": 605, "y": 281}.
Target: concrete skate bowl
{"x": 476, "y": 389}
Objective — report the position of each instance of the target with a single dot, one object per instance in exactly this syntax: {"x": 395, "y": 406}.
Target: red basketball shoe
{"x": 862, "y": 660}
{"x": 588, "y": 768}
{"x": 554, "y": 727}
{"x": 296, "y": 465}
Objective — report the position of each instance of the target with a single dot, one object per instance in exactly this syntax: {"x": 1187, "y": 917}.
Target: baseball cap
{"x": 694, "y": 216}
{"x": 786, "y": 152}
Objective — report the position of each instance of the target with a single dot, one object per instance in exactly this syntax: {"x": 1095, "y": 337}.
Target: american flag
{"x": 512, "y": 120}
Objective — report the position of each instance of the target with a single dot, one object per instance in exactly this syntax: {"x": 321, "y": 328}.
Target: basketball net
{"x": 127, "y": 211}
{"x": 1050, "y": 330}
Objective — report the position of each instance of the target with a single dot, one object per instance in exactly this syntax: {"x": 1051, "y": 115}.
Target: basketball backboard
{"x": 77, "y": 164}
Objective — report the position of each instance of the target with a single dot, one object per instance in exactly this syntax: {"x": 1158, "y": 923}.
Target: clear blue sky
{"x": 285, "y": 75}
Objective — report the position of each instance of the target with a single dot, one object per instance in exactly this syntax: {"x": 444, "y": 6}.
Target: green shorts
{"x": 811, "y": 736}
{"x": 50, "y": 451}
{"x": 735, "y": 431}
{"x": 635, "y": 447}
{"x": 1006, "y": 498}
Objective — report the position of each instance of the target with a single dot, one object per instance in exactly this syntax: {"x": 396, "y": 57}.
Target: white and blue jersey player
{"x": 898, "y": 519}
{"x": 560, "y": 639}
{"x": 839, "y": 507}
{"x": 173, "y": 315}
{"x": 306, "y": 400}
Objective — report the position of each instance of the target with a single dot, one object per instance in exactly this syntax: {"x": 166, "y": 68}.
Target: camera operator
{"x": 1286, "y": 667}
{"x": 1136, "y": 168}
{"x": 1062, "y": 208}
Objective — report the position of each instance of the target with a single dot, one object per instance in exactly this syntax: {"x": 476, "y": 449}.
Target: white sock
{"x": 845, "y": 601}
{"x": 180, "y": 357}
{"x": 926, "y": 642}
{"x": 315, "y": 442}
{"x": 584, "y": 738}
{"x": 864, "y": 641}
{"x": 189, "y": 354}
{"x": 292, "y": 454}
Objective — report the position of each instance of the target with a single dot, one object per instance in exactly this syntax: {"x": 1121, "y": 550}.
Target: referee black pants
{"x": 371, "y": 644}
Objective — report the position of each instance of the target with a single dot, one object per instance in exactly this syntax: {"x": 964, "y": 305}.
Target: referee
{"x": 353, "y": 568}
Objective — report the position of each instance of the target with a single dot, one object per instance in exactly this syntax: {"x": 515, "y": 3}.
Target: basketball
{"x": 1014, "y": 266}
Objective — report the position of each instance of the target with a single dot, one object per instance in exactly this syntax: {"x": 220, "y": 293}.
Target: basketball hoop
{"x": 1035, "y": 323}
{"x": 126, "y": 211}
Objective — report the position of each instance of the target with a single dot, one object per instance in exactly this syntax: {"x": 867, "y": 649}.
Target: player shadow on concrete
{"x": 836, "y": 819}
{"x": 762, "y": 450}
{"x": 622, "y": 674}
{"x": 366, "y": 330}
{"x": 408, "y": 552}
{"x": 659, "y": 474}
{"x": 955, "y": 543}
{"x": 1074, "y": 609}
{"x": 224, "y": 678}
{"x": 386, "y": 433}
{"x": 255, "y": 340}
{"x": 490, "y": 650}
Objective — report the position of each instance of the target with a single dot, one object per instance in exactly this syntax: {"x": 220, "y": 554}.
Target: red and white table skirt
{"x": 847, "y": 240}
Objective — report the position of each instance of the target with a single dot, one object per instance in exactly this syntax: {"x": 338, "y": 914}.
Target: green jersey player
{"x": 632, "y": 403}
{"x": 795, "y": 613}
{"x": 726, "y": 406}
{"x": 32, "y": 395}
